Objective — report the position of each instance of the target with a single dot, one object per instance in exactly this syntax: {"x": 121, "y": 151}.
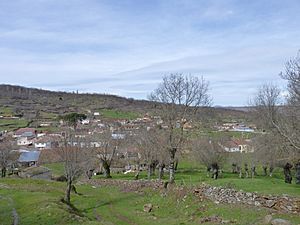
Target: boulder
{"x": 148, "y": 207}
{"x": 267, "y": 219}
{"x": 280, "y": 222}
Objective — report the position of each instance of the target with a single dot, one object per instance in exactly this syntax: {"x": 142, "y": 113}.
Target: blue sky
{"x": 125, "y": 47}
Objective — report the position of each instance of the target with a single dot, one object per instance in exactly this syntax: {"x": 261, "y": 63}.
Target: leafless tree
{"x": 6, "y": 145}
{"x": 177, "y": 98}
{"x": 284, "y": 119}
{"x": 106, "y": 150}
{"x": 208, "y": 151}
{"x": 151, "y": 147}
{"x": 73, "y": 155}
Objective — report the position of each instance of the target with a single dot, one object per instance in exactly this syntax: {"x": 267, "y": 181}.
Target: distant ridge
{"x": 32, "y": 100}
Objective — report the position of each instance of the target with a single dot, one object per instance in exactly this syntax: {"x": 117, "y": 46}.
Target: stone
{"x": 267, "y": 219}
{"x": 148, "y": 207}
{"x": 270, "y": 203}
{"x": 280, "y": 222}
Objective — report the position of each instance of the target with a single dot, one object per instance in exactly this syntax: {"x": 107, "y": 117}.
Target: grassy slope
{"x": 12, "y": 124}
{"x": 38, "y": 202}
{"x": 192, "y": 174}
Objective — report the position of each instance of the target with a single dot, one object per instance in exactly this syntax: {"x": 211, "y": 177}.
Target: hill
{"x": 33, "y": 103}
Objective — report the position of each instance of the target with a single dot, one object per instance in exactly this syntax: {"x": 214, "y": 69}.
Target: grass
{"x": 38, "y": 202}
{"x": 6, "y": 111}
{"x": 12, "y": 124}
{"x": 190, "y": 173}
{"x": 118, "y": 114}
{"x": 57, "y": 169}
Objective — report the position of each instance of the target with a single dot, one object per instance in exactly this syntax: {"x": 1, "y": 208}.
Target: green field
{"x": 12, "y": 124}
{"x": 38, "y": 202}
{"x": 6, "y": 111}
{"x": 189, "y": 174}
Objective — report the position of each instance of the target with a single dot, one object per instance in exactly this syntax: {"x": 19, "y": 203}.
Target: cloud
{"x": 126, "y": 47}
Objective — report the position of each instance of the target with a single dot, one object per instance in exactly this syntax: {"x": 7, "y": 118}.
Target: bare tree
{"x": 283, "y": 120}
{"x": 5, "y": 149}
{"x": 178, "y": 97}
{"x": 106, "y": 150}
{"x": 72, "y": 155}
{"x": 151, "y": 147}
{"x": 208, "y": 152}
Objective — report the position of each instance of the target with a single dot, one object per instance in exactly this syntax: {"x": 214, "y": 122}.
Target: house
{"x": 85, "y": 122}
{"x": 29, "y": 158}
{"x": 28, "y": 132}
{"x": 230, "y": 146}
{"x": 25, "y": 141}
{"x": 46, "y": 142}
{"x": 237, "y": 145}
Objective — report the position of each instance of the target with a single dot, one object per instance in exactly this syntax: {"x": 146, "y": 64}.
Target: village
{"x": 35, "y": 147}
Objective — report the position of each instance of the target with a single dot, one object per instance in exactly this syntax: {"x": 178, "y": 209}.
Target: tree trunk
{"x": 149, "y": 171}
{"x": 176, "y": 164}
{"x": 265, "y": 170}
{"x": 297, "y": 166}
{"x": 271, "y": 171}
{"x": 253, "y": 171}
{"x": 287, "y": 173}
{"x": 246, "y": 170}
{"x": 215, "y": 170}
{"x": 106, "y": 168}
{"x": 172, "y": 165}
{"x": 161, "y": 171}
{"x": 68, "y": 191}
{"x": 137, "y": 174}
{"x": 3, "y": 172}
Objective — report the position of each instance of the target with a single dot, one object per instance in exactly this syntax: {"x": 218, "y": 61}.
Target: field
{"x": 118, "y": 114}
{"x": 39, "y": 201}
{"x": 12, "y": 124}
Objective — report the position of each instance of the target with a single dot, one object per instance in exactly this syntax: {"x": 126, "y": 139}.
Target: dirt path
{"x": 14, "y": 211}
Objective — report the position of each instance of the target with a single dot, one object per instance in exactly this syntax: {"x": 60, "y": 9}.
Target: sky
{"x": 125, "y": 47}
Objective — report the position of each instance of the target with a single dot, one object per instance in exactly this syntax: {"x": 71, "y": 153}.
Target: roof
{"x": 31, "y": 156}
{"x": 23, "y": 130}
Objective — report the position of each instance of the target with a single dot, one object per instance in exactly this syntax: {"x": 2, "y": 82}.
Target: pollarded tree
{"x": 208, "y": 152}
{"x": 73, "y": 155}
{"x": 106, "y": 149}
{"x": 178, "y": 98}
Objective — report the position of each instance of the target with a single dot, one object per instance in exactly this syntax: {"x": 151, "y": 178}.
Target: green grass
{"x": 12, "y": 124}
{"x": 190, "y": 173}
{"x": 6, "y": 111}
{"x": 118, "y": 114}
{"x": 57, "y": 169}
{"x": 38, "y": 202}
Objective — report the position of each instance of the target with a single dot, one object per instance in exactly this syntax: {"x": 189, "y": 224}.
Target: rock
{"x": 280, "y": 222}
{"x": 267, "y": 219}
{"x": 148, "y": 207}
{"x": 270, "y": 203}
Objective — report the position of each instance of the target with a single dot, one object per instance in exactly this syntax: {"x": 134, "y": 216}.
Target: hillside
{"x": 33, "y": 103}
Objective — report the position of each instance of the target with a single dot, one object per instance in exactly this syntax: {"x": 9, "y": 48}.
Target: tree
{"x": 150, "y": 143}
{"x": 179, "y": 97}
{"x": 283, "y": 120}
{"x": 106, "y": 150}
{"x": 73, "y": 154}
{"x": 72, "y": 119}
{"x": 5, "y": 149}
{"x": 208, "y": 152}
